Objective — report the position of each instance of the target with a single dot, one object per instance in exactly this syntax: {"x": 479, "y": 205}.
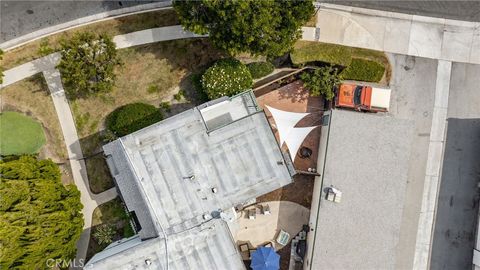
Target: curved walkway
{"x": 89, "y": 200}
{"x": 47, "y": 66}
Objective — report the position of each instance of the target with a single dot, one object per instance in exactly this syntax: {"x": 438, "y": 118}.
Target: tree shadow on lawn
{"x": 160, "y": 18}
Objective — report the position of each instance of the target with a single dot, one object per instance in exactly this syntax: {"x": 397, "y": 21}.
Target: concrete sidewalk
{"x": 29, "y": 69}
{"x": 434, "y": 163}
{"x": 436, "y": 38}
{"x": 106, "y": 15}
{"x": 79, "y": 172}
{"x": 153, "y": 35}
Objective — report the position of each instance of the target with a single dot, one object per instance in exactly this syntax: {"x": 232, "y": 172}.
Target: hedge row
{"x": 360, "y": 64}
{"x": 305, "y": 52}
{"x": 363, "y": 70}
{"x": 132, "y": 117}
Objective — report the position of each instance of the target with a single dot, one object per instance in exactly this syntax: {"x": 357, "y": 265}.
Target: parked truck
{"x": 362, "y": 97}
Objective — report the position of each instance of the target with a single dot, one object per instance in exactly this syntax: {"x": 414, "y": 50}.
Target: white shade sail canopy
{"x": 285, "y": 121}
{"x": 288, "y": 133}
{"x": 295, "y": 139}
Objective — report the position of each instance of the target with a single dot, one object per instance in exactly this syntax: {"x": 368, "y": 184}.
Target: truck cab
{"x": 362, "y": 97}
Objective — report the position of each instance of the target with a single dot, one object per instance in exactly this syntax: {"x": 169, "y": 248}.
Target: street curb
{"x": 17, "y": 42}
{"x": 396, "y": 15}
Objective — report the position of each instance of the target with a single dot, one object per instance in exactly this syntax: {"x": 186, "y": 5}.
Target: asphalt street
{"x": 18, "y": 18}
{"x": 458, "y": 10}
{"x": 457, "y": 208}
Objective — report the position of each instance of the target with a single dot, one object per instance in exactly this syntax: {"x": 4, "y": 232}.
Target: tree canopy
{"x": 87, "y": 64}
{"x": 321, "y": 81}
{"x": 267, "y": 27}
{"x": 40, "y": 218}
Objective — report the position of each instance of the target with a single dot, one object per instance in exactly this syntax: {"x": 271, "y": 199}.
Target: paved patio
{"x": 287, "y": 216}
{"x": 294, "y": 97}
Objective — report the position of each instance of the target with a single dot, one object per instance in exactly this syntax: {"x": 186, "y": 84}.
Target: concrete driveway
{"x": 459, "y": 10}
{"x": 413, "y": 87}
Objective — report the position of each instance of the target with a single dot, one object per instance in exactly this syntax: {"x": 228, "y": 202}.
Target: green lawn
{"x": 363, "y": 70}
{"x": 361, "y": 64}
{"x": 19, "y": 134}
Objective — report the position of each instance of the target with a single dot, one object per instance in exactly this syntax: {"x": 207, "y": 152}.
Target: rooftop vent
{"x": 190, "y": 177}
{"x": 148, "y": 262}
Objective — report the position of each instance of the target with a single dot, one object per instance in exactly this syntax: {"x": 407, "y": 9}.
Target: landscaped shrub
{"x": 305, "y": 52}
{"x": 260, "y": 69}
{"x": 132, "y": 117}
{"x": 363, "y": 70}
{"x": 104, "y": 234}
{"x": 226, "y": 77}
{"x": 321, "y": 81}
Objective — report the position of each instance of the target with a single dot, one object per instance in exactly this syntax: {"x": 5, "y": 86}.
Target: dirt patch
{"x": 300, "y": 191}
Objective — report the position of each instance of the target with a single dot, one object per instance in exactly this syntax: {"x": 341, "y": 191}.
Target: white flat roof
{"x": 167, "y": 174}
{"x": 209, "y": 246}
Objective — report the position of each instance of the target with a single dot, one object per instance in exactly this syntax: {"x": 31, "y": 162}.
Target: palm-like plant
{"x": 104, "y": 234}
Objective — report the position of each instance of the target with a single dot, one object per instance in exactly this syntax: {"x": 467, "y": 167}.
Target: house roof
{"x": 185, "y": 170}
{"x": 208, "y": 246}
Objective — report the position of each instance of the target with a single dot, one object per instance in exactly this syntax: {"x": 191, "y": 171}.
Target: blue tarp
{"x": 265, "y": 258}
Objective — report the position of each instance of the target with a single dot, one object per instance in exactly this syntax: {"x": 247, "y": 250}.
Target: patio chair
{"x": 266, "y": 209}
{"x": 252, "y": 213}
{"x": 243, "y": 247}
{"x": 251, "y": 251}
{"x": 268, "y": 244}
{"x": 283, "y": 237}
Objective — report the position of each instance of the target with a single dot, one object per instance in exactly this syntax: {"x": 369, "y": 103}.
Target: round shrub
{"x": 226, "y": 77}
{"x": 260, "y": 69}
{"x": 132, "y": 117}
